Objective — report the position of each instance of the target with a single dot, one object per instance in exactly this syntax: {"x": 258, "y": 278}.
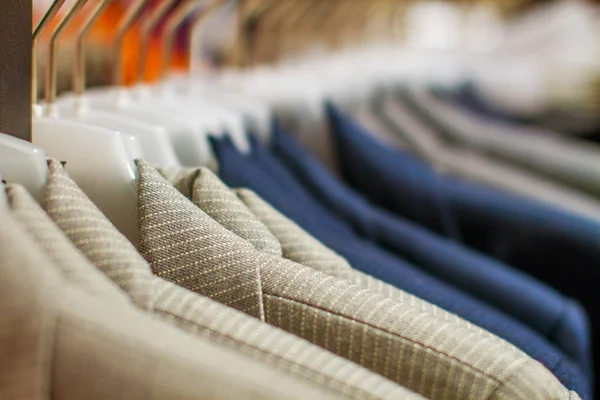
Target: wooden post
{"x": 15, "y": 68}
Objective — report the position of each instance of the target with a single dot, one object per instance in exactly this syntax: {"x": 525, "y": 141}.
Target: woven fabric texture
{"x": 57, "y": 341}
{"x": 427, "y": 352}
{"x": 267, "y": 346}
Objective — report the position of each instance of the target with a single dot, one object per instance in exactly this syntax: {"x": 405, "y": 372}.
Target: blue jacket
{"x": 559, "y": 319}
{"x": 264, "y": 177}
{"x": 556, "y": 247}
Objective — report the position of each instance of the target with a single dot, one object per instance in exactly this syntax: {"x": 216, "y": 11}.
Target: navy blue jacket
{"x": 264, "y": 177}
{"x": 554, "y": 246}
{"x": 559, "y": 319}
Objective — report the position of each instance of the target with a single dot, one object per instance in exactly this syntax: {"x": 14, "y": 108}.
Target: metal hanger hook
{"x": 79, "y": 72}
{"x": 37, "y": 34}
{"x": 174, "y": 22}
{"x": 52, "y": 68}
{"x": 133, "y": 14}
{"x": 147, "y": 28}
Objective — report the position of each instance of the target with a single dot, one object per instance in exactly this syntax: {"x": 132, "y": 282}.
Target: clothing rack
{"x": 15, "y": 68}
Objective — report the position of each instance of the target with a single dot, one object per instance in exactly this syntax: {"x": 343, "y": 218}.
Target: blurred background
{"x": 538, "y": 61}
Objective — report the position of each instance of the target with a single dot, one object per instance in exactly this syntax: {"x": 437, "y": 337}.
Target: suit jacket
{"x": 558, "y": 157}
{"x": 209, "y": 321}
{"x": 60, "y": 340}
{"x": 540, "y": 240}
{"x": 561, "y": 320}
{"x": 469, "y": 96}
{"x": 471, "y": 165}
{"x": 555, "y": 247}
{"x": 399, "y": 340}
{"x": 259, "y": 174}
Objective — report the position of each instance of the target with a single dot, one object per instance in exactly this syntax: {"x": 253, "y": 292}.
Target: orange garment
{"x": 103, "y": 34}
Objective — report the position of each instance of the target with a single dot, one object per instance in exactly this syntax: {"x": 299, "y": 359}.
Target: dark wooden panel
{"x": 15, "y": 68}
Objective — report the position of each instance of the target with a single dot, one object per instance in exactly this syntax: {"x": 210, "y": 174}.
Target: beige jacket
{"x": 62, "y": 341}
{"x": 377, "y": 326}
{"x": 208, "y": 320}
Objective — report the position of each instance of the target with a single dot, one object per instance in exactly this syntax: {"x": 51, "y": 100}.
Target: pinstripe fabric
{"x": 301, "y": 247}
{"x": 59, "y": 342}
{"x": 258, "y": 172}
{"x": 27, "y": 324}
{"x": 552, "y": 246}
{"x": 115, "y": 256}
{"x": 248, "y": 212}
{"x": 562, "y": 321}
{"x": 425, "y": 351}
{"x": 298, "y": 245}
{"x": 206, "y": 191}
{"x": 74, "y": 266}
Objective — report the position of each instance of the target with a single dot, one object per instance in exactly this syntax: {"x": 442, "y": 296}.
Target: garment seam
{"x": 493, "y": 394}
{"x": 553, "y": 330}
{"x": 436, "y": 351}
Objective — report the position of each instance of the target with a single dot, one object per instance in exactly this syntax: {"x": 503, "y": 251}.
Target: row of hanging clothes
{"x": 322, "y": 227}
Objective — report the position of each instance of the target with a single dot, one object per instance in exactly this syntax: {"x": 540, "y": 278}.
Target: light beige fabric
{"x": 73, "y": 264}
{"x": 409, "y": 341}
{"x": 220, "y": 205}
{"x": 59, "y": 342}
{"x": 111, "y": 253}
{"x": 301, "y": 247}
{"x": 27, "y": 323}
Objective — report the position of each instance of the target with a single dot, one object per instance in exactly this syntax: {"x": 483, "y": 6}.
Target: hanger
{"x": 309, "y": 18}
{"x": 148, "y": 26}
{"x": 243, "y": 54}
{"x": 334, "y": 31}
{"x": 376, "y": 13}
{"x": 23, "y": 163}
{"x": 223, "y": 87}
{"x": 292, "y": 88}
{"x": 283, "y": 19}
{"x": 200, "y": 84}
{"x": 153, "y": 140}
{"x": 201, "y": 89}
{"x": 37, "y": 35}
{"x": 232, "y": 121}
{"x": 194, "y": 144}
{"x": 120, "y": 101}
{"x": 187, "y": 130}
{"x": 100, "y": 160}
